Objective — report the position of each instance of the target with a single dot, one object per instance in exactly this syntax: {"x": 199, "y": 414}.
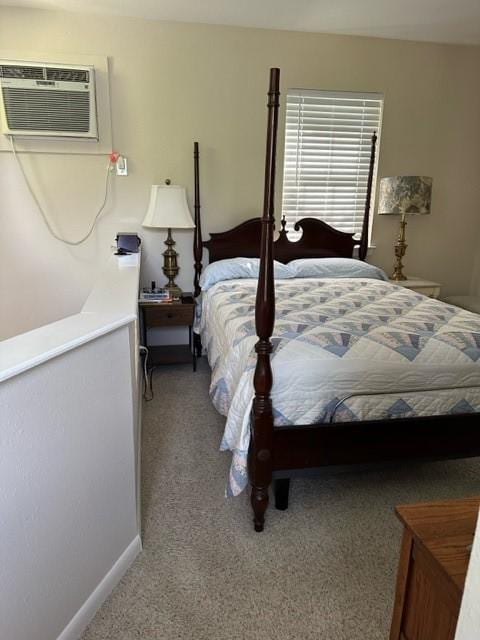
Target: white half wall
{"x": 68, "y": 517}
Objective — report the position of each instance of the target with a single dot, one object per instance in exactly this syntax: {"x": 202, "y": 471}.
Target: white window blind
{"x": 328, "y": 139}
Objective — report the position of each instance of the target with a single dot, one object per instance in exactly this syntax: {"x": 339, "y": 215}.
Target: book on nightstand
{"x": 155, "y": 294}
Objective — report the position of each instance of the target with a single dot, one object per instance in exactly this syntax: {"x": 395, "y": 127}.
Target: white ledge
{"x": 111, "y": 304}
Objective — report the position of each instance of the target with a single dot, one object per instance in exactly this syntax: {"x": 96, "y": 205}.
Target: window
{"x": 327, "y": 155}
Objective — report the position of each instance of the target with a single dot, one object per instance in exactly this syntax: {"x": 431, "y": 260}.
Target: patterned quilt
{"x": 343, "y": 350}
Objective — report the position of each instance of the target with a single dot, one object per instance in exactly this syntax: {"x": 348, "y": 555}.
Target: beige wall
{"x": 174, "y": 83}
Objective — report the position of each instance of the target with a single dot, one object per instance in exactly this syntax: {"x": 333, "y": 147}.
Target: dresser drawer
{"x": 169, "y": 315}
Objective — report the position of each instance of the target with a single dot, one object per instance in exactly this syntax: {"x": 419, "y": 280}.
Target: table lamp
{"x": 404, "y": 195}
{"x": 168, "y": 209}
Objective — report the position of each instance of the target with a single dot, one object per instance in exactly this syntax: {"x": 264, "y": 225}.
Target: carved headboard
{"x": 318, "y": 240}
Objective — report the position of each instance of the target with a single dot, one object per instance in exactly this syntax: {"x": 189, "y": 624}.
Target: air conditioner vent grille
{"x": 67, "y": 75}
{"x": 24, "y": 72}
{"x": 52, "y": 110}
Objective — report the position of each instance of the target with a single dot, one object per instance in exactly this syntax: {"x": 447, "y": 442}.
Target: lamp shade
{"x": 168, "y": 208}
{"x": 405, "y": 194}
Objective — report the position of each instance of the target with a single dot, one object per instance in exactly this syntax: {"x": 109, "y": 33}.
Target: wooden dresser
{"x": 433, "y": 565}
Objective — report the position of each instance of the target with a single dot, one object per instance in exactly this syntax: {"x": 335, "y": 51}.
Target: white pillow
{"x": 233, "y": 268}
{"x": 335, "y": 268}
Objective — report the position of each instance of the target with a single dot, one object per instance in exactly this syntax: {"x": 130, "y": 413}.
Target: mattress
{"x": 344, "y": 349}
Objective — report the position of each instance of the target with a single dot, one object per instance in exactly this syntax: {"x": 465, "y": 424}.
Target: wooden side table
{"x": 427, "y": 287}
{"x": 168, "y": 314}
{"x": 433, "y": 564}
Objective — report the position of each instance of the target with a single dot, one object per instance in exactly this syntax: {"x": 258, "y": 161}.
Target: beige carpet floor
{"x": 325, "y": 569}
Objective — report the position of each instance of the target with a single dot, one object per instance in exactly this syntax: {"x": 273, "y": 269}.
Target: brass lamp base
{"x": 174, "y": 291}
{"x": 170, "y": 267}
{"x": 398, "y": 268}
{"x": 400, "y": 250}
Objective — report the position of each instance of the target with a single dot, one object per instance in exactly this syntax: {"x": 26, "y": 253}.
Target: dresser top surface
{"x": 445, "y": 529}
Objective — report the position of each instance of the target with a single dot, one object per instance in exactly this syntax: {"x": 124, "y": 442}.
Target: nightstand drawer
{"x": 169, "y": 315}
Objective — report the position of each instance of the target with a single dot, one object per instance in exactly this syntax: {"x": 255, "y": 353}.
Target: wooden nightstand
{"x": 433, "y": 565}
{"x": 427, "y": 287}
{"x": 168, "y": 314}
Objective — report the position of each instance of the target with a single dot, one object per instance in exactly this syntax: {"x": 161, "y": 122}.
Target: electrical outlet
{"x": 122, "y": 166}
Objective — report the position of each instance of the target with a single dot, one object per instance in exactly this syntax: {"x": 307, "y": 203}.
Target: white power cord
{"x": 147, "y": 376}
{"x": 72, "y": 243}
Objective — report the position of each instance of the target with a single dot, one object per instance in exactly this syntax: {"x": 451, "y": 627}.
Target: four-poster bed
{"x": 278, "y": 452}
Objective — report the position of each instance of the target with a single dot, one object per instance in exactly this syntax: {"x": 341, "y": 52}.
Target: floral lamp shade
{"x": 405, "y": 195}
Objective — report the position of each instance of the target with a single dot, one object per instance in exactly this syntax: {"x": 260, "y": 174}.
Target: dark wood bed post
{"x": 197, "y": 242}
{"x": 261, "y": 448}
{"x": 363, "y": 247}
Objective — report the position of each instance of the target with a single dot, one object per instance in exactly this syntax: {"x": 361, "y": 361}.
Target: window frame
{"x": 334, "y": 95}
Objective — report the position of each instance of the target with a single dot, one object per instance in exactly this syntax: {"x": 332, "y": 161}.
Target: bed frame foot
{"x": 197, "y": 345}
{"x": 282, "y": 489}
{"x": 259, "y": 501}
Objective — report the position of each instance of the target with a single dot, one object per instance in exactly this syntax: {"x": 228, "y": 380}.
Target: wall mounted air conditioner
{"x": 40, "y": 99}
